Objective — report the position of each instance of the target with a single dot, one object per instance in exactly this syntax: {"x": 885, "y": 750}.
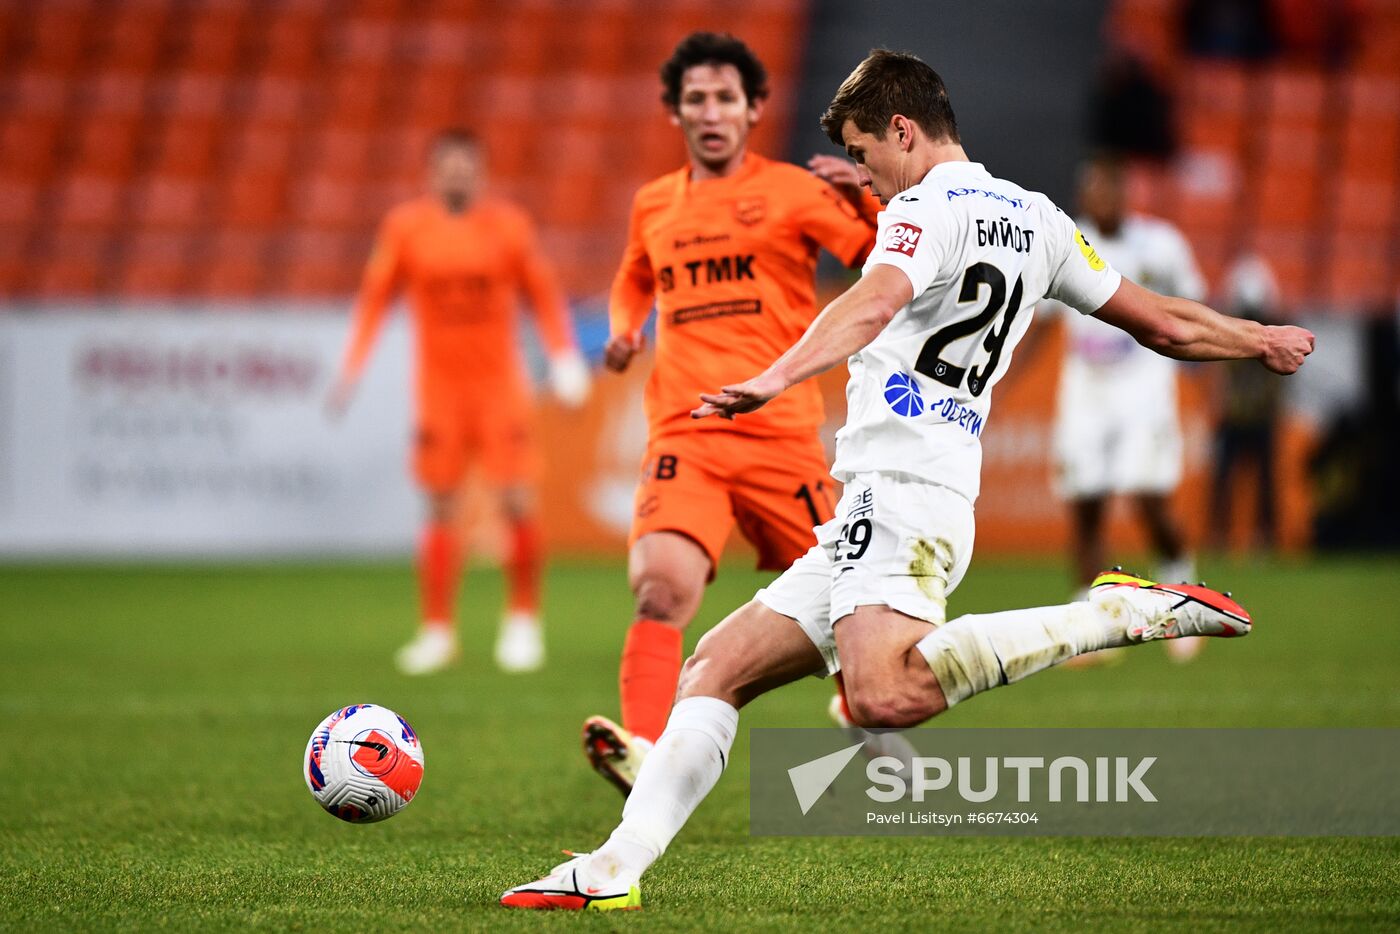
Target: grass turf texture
{"x": 155, "y": 720}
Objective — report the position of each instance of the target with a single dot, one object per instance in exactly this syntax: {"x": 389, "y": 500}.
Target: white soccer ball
{"x": 363, "y": 763}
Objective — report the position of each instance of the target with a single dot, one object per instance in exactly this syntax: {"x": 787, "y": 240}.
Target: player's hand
{"x": 1285, "y": 347}
{"x": 569, "y": 379}
{"x": 619, "y": 350}
{"x": 338, "y": 399}
{"x": 741, "y": 398}
{"x": 835, "y": 170}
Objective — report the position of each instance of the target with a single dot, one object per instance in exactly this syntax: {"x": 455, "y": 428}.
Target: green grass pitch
{"x": 155, "y": 717}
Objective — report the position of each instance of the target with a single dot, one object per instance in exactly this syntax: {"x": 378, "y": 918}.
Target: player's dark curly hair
{"x": 712, "y": 48}
{"x": 889, "y": 83}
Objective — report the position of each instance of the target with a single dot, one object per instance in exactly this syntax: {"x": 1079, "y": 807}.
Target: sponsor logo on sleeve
{"x": 1090, "y": 254}
{"x": 903, "y": 238}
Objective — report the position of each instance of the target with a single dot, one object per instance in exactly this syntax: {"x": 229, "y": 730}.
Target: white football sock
{"x": 675, "y": 777}
{"x": 978, "y": 652}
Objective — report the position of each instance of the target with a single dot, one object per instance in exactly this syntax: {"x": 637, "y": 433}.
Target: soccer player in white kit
{"x": 961, "y": 259}
{"x": 1117, "y": 429}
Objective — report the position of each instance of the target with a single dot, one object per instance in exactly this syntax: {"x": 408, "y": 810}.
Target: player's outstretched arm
{"x": 1187, "y": 330}
{"x": 852, "y": 320}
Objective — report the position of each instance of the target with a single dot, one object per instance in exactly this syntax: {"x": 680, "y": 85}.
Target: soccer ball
{"x": 363, "y": 763}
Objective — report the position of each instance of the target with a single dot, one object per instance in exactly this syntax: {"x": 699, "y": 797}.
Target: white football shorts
{"x": 1117, "y": 434}
{"x": 896, "y": 541}
{"x": 1106, "y": 455}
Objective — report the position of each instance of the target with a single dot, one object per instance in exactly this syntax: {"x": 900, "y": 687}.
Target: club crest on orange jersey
{"x": 750, "y": 211}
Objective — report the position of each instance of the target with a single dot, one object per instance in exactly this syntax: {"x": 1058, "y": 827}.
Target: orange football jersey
{"x": 464, "y": 275}
{"x": 730, "y": 264}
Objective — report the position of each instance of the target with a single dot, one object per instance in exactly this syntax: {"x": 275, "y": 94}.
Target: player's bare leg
{"x": 520, "y": 641}
{"x": 667, "y": 572}
{"x": 439, "y": 567}
{"x": 1176, "y": 564}
{"x": 753, "y": 651}
{"x": 1087, "y": 519}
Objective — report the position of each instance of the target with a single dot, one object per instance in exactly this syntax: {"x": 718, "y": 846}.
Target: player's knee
{"x": 705, "y": 674}
{"x": 665, "y": 599}
{"x": 890, "y": 706}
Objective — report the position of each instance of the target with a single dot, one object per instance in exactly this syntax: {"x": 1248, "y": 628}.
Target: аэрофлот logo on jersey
{"x": 903, "y": 238}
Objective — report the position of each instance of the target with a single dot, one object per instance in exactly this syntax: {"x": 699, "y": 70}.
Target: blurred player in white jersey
{"x": 960, "y": 261}
{"x": 1117, "y": 430}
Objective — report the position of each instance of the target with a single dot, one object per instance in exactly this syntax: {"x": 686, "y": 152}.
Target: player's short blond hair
{"x": 889, "y": 83}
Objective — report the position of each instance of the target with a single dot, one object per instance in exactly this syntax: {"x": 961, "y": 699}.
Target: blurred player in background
{"x": 1117, "y": 429}
{"x": 727, "y": 249}
{"x": 465, "y": 259}
{"x": 1250, "y": 406}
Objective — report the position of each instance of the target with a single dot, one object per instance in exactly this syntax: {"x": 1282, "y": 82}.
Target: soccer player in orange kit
{"x": 465, "y": 259}
{"x": 727, "y": 248}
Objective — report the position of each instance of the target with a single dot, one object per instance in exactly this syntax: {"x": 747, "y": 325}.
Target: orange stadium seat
{"x": 290, "y": 42}
{"x": 1287, "y": 197}
{"x": 19, "y": 201}
{"x": 57, "y": 38}
{"x": 132, "y": 39}
{"x": 35, "y": 92}
{"x": 213, "y": 43}
{"x": 1365, "y": 205}
{"x": 262, "y": 146}
{"x": 89, "y": 201}
{"x": 28, "y": 144}
{"x": 1360, "y": 272}
{"x": 235, "y": 264}
{"x": 170, "y": 201}
{"x": 251, "y": 200}
{"x": 114, "y": 94}
{"x": 154, "y": 263}
{"x": 68, "y": 264}
{"x": 188, "y": 145}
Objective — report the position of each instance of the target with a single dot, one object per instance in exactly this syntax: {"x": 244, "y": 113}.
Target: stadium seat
{"x": 1366, "y": 205}
{"x": 154, "y": 263}
{"x": 213, "y": 42}
{"x": 91, "y": 202}
{"x": 28, "y": 144}
{"x": 67, "y": 264}
{"x": 188, "y": 146}
{"x": 19, "y": 201}
{"x": 251, "y": 200}
{"x": 1360, "y": 273}
{"x": 235, "y": 264}
{"x": 170, "y": 201}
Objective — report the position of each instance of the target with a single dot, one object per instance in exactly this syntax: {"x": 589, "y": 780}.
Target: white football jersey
{"x": 1154, "y": 254}
{"x": 980, "y": 252}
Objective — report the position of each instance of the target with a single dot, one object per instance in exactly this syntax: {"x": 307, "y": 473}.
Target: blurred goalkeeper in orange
{"x": 727, "y": 249}
{"x": 465, "y": 259}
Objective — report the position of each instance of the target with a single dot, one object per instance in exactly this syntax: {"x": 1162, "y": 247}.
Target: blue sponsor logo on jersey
{"x": 903, "y": 395}
{"x": 955, "y": 413}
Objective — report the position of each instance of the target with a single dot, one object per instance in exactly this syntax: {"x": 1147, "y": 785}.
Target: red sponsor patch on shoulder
{"x": 903, "y": 238}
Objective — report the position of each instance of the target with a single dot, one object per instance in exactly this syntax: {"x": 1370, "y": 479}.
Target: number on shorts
{"x": 665, "y": 468}
{"x": 855, "y": 536}
{"x": 805, "y": 494}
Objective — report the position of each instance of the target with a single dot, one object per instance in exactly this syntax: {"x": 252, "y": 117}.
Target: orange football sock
{"x": 523, "y": 566}
{"x": 439, "y": 564}
{"x": 651, "y": 669}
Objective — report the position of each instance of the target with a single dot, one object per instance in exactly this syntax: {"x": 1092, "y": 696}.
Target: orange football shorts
{"x": 704, "y": 483}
